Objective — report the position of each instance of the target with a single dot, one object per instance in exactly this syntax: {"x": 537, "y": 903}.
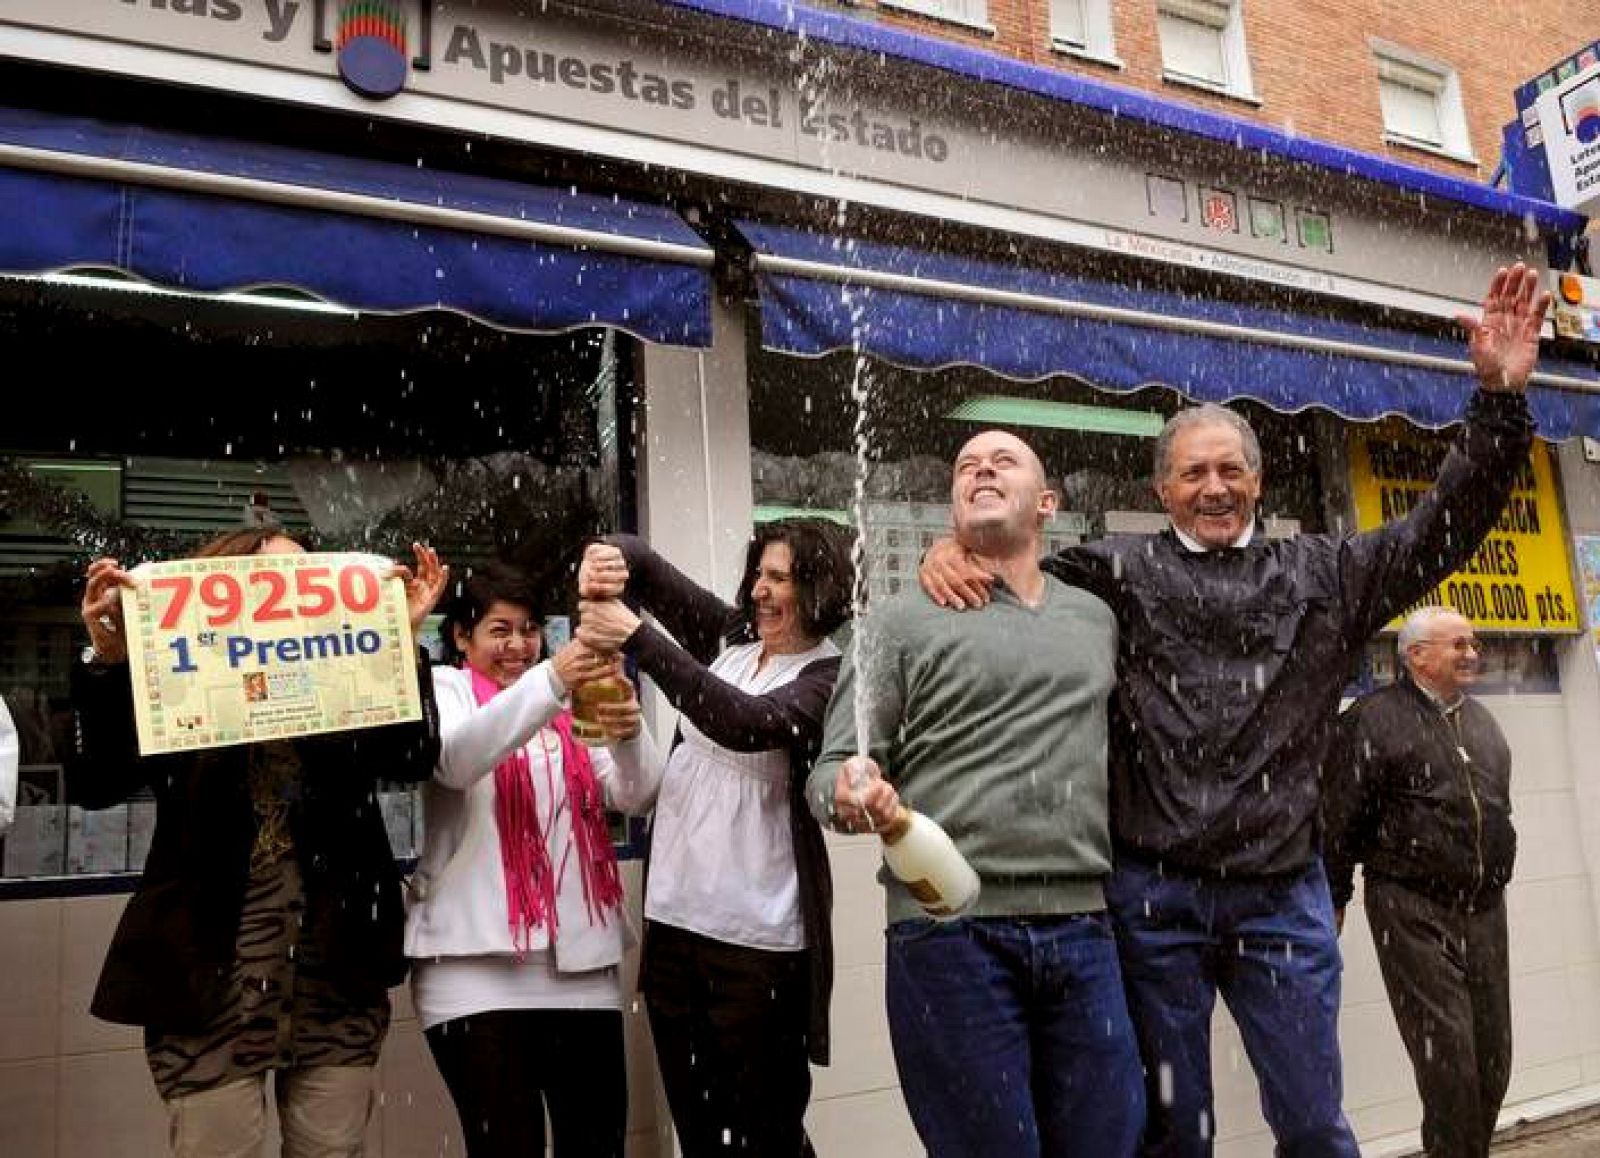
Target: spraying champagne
{"x": 918, "y": 852}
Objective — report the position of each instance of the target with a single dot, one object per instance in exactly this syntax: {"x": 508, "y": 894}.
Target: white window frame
{"x": 1226, "y": 19}
{"x": 973, "y": 14}
{"x": 1403, "y": 68}
{"x": 1090, "y": 34}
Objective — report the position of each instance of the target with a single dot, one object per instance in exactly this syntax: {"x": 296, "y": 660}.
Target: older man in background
{"x": 1417, "y": 788}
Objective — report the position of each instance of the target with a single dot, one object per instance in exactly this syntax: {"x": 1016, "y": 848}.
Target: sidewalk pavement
{"x": 1575, "y": 1136}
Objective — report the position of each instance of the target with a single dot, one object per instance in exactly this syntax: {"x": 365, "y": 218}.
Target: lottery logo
{"x": 371, "y": 44}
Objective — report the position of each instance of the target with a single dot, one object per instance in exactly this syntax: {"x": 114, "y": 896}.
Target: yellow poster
{"x": 265, "y": 647}
{"x": 1520, "y": 578}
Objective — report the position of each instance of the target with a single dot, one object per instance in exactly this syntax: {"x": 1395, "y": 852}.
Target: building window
{"x": 970, "y": 13}
{"x": 1421, "y": 102}
{"x": 1202, "y": 44}
{"x": 1083, "y": 28}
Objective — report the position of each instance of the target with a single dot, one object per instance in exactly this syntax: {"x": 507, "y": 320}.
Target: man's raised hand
{"x": 1504, "y": 342}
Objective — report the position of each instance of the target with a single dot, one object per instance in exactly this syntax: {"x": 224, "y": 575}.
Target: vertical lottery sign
{"x": 266, "y": 647}
{"x": 1520, "y": 578}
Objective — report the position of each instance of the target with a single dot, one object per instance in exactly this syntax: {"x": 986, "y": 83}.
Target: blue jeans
{"x": 1270, "y": 947}
{"x": 1012, "y": 1038}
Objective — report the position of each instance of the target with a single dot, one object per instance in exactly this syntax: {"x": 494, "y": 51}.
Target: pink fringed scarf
{"x": 530, "y": 880}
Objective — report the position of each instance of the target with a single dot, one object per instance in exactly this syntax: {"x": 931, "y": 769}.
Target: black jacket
{"x": 1231, "y": 662}
{"x": 787, "y": 717}
{"x": 1420, "y": 798}
{"x": 170, "y": 960}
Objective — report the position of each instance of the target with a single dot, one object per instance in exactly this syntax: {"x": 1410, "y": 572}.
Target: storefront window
{"x": 155, "y": 422}
{"x": 1096, "y": 447}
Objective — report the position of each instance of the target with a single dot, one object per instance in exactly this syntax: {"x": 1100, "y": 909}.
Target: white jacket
{"x": 457, "y": 899}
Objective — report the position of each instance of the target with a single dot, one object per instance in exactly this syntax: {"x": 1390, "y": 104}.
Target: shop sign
{"x": 637, "y": 86}
{"x": 1520, "y": 578}
{"x": 1559, "y": 116}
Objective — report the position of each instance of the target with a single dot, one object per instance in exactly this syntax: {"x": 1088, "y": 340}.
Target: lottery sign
{"x": 1520, "y": 578}
{"x": 266, "y": 647}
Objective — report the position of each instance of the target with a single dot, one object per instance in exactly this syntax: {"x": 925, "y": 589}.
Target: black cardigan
{"x": 788, "y": 717}
{"x": 170, "y": 962}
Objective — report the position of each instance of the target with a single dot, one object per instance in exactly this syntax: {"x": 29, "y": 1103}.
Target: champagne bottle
{"x": 927, "y": 862}
{"x": 586, "y": 696}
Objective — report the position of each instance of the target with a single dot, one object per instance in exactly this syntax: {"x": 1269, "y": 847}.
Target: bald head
{"x": 999, "y": 500}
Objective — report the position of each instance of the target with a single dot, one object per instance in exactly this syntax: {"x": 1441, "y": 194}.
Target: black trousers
{"x": 730, "y": 1030}
{"x": 1448, "y": 977}
{"x": 505, "y": 1069}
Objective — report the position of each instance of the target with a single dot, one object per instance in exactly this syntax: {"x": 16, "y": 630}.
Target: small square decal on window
{"x": 1219, "y": 210}
{"x": 1315, "y": 229}
{"x": 1267, "y": 220}
{"x": 1168, "y": 197}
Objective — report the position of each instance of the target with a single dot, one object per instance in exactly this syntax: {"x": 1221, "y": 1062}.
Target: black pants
{"x": 1448, "y": 977}
{"x": 506, "y": 1068}
{"x": 730, "y": 1031}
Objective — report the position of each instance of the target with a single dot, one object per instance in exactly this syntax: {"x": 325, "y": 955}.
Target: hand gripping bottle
{"x": 586, "y": 697}
{"x": 927, "y": 862}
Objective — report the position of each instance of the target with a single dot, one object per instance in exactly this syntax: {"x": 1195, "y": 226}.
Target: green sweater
{"x": 993, "y": 723}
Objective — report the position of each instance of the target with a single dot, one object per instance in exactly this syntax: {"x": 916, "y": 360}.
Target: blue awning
{"x": 925, "y": 310}
{"x": 210, "y": 215}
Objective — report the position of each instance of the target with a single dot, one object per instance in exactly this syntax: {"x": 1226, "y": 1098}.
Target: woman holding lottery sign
{"x": 517, "y": 924}
{"x": 266, "y": 929}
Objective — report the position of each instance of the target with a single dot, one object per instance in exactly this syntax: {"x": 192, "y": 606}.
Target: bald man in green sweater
{"x": 1010, "y": 1030}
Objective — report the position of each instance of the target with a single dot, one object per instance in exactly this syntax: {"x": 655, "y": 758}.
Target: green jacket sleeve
{"x": 879, "y": 693}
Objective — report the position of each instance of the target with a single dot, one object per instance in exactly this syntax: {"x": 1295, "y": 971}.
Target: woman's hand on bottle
{"x": 620, "y": 720}
{"x": 863, "y": 801}
{"x": 424, "y": 584}
{"x": 605, "y": 625}
{"x": 603, "y": 574}
{"x": 577, "y": 663}
{"x": 102, "y": 610}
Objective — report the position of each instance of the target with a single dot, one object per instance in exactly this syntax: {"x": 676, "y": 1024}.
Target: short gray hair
{"x": 1206, "y": 414}
{"x": 1416, "y": 626}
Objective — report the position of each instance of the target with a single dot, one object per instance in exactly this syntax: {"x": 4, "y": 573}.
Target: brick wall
{"x": 1312, "y": 63}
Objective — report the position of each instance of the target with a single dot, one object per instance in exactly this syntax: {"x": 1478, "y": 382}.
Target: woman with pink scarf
{"x": 516, "y": 923}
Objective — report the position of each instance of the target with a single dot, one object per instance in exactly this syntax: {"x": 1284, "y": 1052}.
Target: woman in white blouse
{"x": 737, "y": 966}
{"x": 516, "y": 924}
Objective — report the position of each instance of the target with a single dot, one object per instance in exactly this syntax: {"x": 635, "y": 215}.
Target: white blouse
{"x": 721, "y": 853}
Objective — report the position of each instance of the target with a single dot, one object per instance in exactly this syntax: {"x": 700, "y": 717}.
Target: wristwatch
{"x": 91, "y": 659}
